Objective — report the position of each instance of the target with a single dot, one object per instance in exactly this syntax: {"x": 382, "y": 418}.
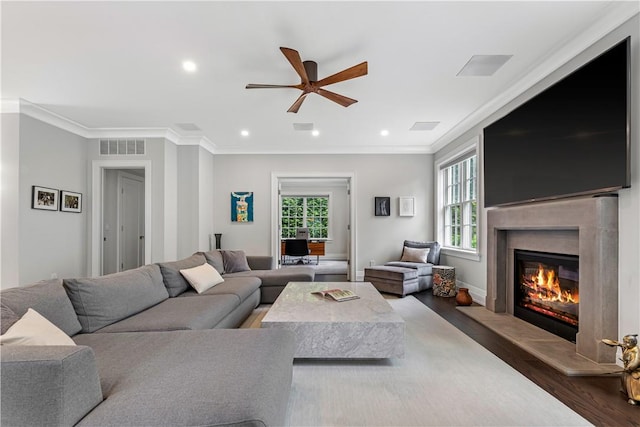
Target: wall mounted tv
{"x": 571, "y": 139}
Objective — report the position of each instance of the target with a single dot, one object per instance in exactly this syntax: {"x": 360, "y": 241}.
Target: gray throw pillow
{"x": 7, "y": 319}
{"x": 101, "y": 301}
{"x": 173, "y": 279}
{"x": 48, "y": 298}
{"x": 214, "y": 258}
{"x": 235, "y": 261}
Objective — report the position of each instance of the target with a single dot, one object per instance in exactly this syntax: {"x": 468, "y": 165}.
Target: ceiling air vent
{"x": 122, "y": 147}
{"x": 303, "y": 126}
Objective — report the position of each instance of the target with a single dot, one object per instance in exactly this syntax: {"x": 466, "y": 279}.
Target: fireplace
{"x": 583, "y": 227}
{"x": 546, "y": 291}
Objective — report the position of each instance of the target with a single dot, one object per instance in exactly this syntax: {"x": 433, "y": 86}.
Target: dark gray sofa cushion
{"x": 214, "y": 258}
{"x": 7, "y": 319}
{"x": 434, "y": 249}
{"x": 196, "y": 378}
{"x": 101, "y": 301}
{"x": 173, "y": 279}
{"x": 178, "y": 314}
{"x": 48, "y": 385}
{"x": 235, "y": 261}
{"x": 242, "y": 287}
{"x": 48, "y": 298}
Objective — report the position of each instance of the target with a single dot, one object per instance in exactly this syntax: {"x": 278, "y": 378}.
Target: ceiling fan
{"x": 308, "y": 72}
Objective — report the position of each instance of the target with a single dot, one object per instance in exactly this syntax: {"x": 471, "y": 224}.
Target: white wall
{"x": 377, "y": 238}
{"x": 206, "y": 180}
{"x": 10, "y": 201}
{"x": 51, "y": 242}
{"x": 473, "y": 273}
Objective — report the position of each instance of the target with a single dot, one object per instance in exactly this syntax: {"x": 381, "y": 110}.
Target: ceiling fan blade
{"x": 296, "y": 105}
{"x": 296, "y": 62}
{"x": 350, "y": 73}
{"x": 340, "y": 99}
{"x": 261, "y": 86}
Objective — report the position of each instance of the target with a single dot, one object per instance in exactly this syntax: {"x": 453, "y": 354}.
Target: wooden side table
{"x": 444, "y": 281}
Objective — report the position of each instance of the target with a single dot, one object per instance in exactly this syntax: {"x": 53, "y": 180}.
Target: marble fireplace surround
{"x": 587, "y": 227}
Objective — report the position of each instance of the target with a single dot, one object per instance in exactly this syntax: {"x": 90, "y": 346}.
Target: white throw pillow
{"x": 202, "y": 277}
{"x": 34, "y": 329}
{"x": 415, "y": 254}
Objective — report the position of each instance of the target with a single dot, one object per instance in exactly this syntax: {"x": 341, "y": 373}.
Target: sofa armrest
{"x": 48, "y": 385}
{"x": 260, "y": 262}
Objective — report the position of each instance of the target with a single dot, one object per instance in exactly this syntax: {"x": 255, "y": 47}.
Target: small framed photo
{"x": 407, "y": 206}
{"x": 44, "y": 198}
{"x": 382, "y": 206}
{"x": 70, "y": 201}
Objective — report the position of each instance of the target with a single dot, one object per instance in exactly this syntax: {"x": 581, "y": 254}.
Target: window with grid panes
{"x": 305, "y": 211}
{"x": 460, "y": 204}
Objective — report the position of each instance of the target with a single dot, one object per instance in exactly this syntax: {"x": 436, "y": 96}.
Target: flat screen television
{"x": 571, "y": 139}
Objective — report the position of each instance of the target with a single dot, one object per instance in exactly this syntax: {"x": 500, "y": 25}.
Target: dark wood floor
{"x": 596, "y": 398}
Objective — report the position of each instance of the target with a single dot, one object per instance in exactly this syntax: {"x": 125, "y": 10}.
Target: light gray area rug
{"x": 445, "y": 379}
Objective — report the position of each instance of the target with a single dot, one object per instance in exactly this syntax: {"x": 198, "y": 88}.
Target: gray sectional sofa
{"x": 150, "y": 350}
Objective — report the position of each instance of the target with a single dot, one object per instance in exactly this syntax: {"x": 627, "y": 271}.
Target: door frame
{"x": 350, "y": 177}
{"x": 96, "y": 236}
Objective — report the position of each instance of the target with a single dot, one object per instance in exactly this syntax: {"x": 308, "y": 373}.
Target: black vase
{"x": 218, "y": 239}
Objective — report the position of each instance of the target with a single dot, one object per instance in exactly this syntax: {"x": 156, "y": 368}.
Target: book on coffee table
{"x": 337, "y": 294}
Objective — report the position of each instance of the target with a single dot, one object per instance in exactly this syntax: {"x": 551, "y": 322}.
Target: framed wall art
{"x": 44, "y": 198}
{"x": 407, "y": 206}
{"x": 242, "y": 206}
{"x": 382, "y": 206}
{"x": 70, "y": 201}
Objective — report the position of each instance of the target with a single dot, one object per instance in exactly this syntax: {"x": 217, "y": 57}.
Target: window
{"x": 459, "y": 203}
{"x": 305, "y": 211}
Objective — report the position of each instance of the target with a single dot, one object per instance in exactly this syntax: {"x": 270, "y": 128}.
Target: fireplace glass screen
{"x": 546, "y": 291}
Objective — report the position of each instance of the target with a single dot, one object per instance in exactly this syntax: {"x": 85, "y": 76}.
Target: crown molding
{"x": 37, "y": 112}
{"x": 330, "y": 149}
{"x": 618, "y": 14}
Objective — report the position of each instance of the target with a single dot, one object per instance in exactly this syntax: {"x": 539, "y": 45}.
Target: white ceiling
{"x": 114, "y": 65}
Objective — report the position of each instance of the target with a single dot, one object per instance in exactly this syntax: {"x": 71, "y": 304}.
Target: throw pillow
{"x": 415, "y": 254}
{"x": 214, "y": 258}
{"x": 235, "y": 261}
{"x": 9, "y": 317}
{"x": 202, "y": 277}
{"x": 34, "y": 329}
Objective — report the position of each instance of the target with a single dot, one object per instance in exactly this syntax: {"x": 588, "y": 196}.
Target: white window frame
{"x": 470, "y": 149}
{"x": 305, "y": 195}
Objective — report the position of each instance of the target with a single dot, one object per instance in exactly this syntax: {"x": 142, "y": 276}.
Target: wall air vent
{"x": 122, "y": 147}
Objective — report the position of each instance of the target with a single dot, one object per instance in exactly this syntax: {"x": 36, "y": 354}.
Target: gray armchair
{"x": 417, "y": 260}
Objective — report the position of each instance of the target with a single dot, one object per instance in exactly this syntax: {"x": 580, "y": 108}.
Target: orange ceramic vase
{"x": 463, "y": 297}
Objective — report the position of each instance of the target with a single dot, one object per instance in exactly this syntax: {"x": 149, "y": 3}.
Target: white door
{"x": 131, "y": 221}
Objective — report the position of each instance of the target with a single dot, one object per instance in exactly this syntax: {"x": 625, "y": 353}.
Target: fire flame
{"x": 545, "y": 286}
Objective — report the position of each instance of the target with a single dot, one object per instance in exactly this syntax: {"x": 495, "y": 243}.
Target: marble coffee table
{"x": 364, "y": 328}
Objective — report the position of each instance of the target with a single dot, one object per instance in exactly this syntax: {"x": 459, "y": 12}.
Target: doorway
{"x": 278, "y": 180}
{"x": 123, "y": 220}
{"x": 120, "y": 215}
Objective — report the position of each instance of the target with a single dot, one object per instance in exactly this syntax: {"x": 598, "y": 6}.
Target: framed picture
{"x": 44, "y": 198}
{"x": 70, "y": 201}
{"x": 242, "y": 206}
{"x": 382, "y": 206}
{"x": 407, "y": 206}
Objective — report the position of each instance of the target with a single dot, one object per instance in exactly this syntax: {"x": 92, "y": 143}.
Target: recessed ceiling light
{"x": 384, "y": 132}
{"x": 189, "y": 66}
{"x": 315, "y": 132}
{"x": 244, "y": 132}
